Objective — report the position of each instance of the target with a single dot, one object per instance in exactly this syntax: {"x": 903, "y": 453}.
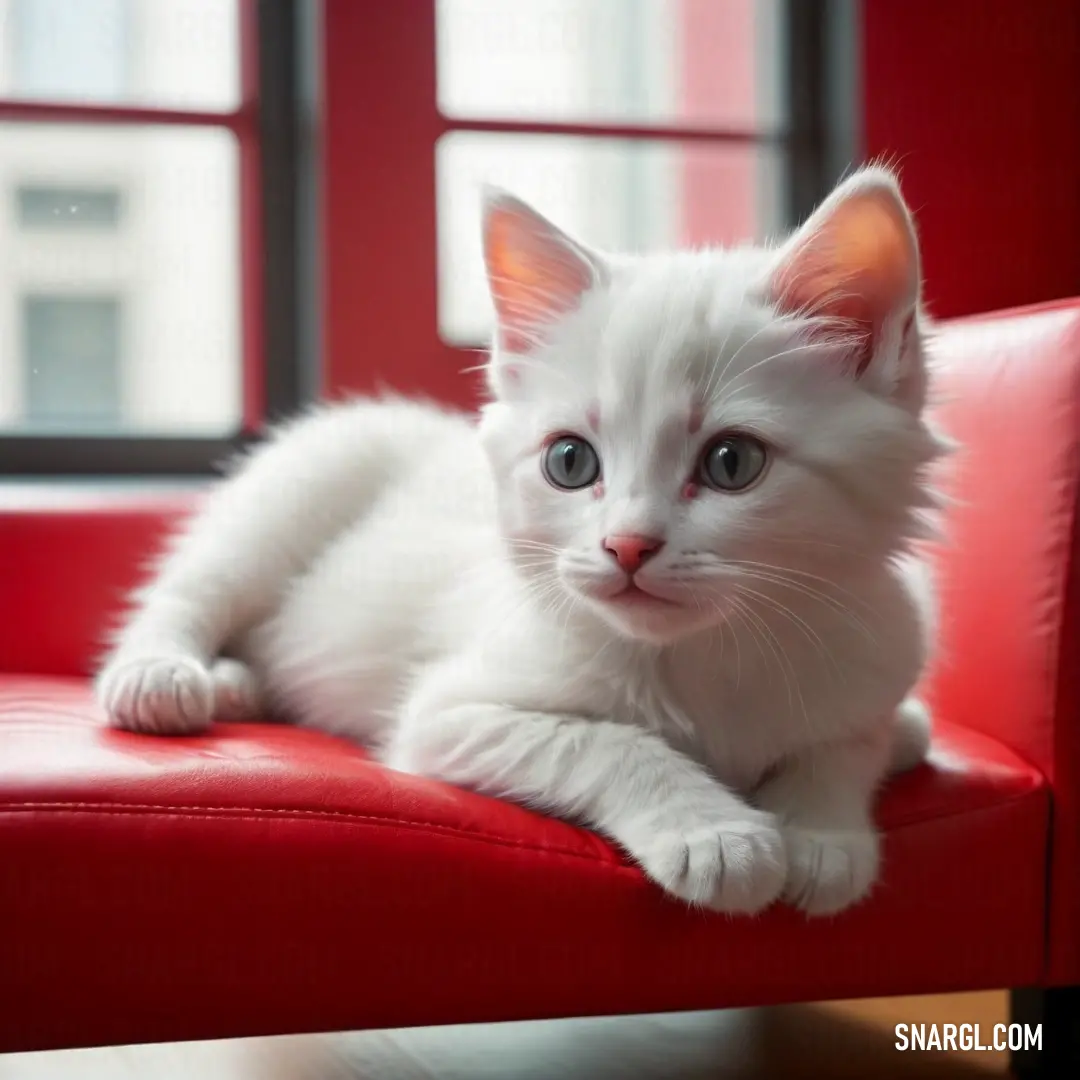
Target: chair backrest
{"x": 1009, "y": 660}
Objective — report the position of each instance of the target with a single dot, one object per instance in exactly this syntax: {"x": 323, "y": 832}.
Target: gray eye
{"x": 733, "y": 463}
{"x": 571, "y": 463}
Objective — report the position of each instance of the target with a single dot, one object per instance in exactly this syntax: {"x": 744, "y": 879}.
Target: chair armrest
{"x": 68, "y": 558}
{"x": 1009, "y": 573}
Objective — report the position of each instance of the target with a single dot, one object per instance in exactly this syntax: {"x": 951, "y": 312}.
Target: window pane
{"x": 704, "y": 62}
{"x": 133, "y": 324}
{"x": 180, "y": 53}
{"x": 618, "y": 195}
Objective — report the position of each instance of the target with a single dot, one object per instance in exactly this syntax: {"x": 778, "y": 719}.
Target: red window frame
{"x": 381, "y": 127}
{"x": 244, "y": 123}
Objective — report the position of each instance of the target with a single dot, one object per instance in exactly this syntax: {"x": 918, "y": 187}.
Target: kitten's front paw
{"x": 167, "y": 695}
{"x": 829, "y": 869}
{"x": 236, "y": 692}
{"x": 731, "y": 864}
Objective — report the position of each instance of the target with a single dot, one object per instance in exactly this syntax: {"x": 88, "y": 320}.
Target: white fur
{"x": 399, "y": 575}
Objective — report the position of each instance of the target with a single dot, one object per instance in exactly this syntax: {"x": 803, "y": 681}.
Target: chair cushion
{"x": 264, "y": 878}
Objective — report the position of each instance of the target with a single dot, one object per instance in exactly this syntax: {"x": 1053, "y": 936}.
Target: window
{"x": 148, "y": 230}
{"x": 72, "y": 355}
{"x": 636, "y": 124}
{"x": 49, "y": 206}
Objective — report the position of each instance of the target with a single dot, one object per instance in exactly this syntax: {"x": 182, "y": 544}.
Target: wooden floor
{"x": 828, "y": 1042}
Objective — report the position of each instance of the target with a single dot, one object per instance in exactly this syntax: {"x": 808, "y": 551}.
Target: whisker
{"x": 800, "y": 624}
{"x": 789, "y": 570}
{"x": 786, "y": 666}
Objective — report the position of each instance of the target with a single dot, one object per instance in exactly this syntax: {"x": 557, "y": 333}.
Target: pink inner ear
{"x": 856, "y": 260}
{"x": 535, "y": 272}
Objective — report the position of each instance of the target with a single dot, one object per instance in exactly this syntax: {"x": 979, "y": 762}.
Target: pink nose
{"x": 632, "y": 549}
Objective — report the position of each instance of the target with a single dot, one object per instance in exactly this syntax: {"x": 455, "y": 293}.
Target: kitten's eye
{"x": 571, "y": 463}
{"x": 733, "y": 463}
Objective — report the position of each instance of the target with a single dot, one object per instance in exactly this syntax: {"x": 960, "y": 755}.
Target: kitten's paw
{"x": 165, "y": 695}
{"x": 911, "y": 735}
{"x": 236, "y": 693}
{"x": 736, "y": 865}
{"x": 829, "y": 869}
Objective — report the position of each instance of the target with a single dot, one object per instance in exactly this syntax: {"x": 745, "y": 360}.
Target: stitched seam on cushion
{"x": 251, "y": 813}
{"x": 254, "y": 813}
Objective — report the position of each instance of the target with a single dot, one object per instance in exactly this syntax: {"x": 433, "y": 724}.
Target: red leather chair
{"x": 266, "y": 879}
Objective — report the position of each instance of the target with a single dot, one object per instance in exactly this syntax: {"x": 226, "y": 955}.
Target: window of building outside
{"x": 72, "y": 350}
{"x": 63, "y": 207}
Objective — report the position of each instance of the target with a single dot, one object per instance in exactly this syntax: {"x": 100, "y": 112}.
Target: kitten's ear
{"x": 856, "y": 261}
{"x": 536, "y": 273}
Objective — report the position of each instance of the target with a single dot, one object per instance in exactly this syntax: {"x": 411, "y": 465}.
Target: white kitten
{"x": 662, "y": 588}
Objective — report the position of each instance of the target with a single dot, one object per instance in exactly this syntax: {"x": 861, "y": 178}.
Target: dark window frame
{"x": 275, "y": 128}
{"x": 823, "y": 94}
